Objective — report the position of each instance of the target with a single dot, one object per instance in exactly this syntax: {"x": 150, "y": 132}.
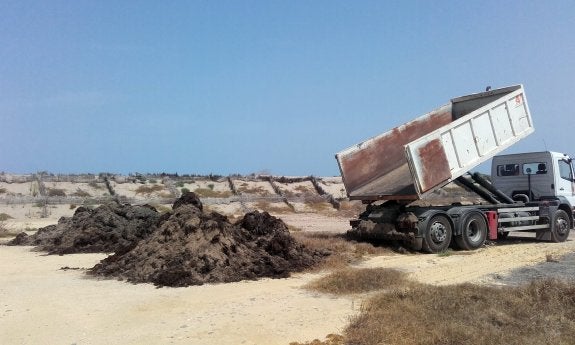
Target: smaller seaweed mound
{"x": 106, "y": 229}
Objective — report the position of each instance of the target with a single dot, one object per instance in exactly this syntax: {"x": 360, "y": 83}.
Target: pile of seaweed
{"x": 193, "y": 247}
{"x": 109, "y": 228}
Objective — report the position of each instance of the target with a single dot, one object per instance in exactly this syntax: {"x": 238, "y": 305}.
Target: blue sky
{"x": 248, "y": 86}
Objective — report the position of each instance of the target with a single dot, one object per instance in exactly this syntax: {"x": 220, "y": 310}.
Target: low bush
{"x": 273, "y": 207}
{"x": 55, "y": 192}
{"x": 359, "y": 280}
{"x": 542, "y": 312}
{"x": 81, "y": 193}
{"x": 95, "y": 185}
{"x": 209, "y": 193}
{"x": 5, "y": 217}
{"x": 330, "y": 339}
{"x": 145, "y": 189}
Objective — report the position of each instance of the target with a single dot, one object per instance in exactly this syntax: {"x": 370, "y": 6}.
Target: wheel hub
{"x": 438, "y": 232}
{"x": 562, "y": 226}
{"x": 472, "y": 231}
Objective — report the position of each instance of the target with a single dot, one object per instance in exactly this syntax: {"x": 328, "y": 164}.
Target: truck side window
{"x": 508, "y": 170}
{"x": 565, "y": 170}
{"x": 535, "y": 168}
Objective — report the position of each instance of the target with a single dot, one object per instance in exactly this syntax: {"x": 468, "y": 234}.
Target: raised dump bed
{"x": 422, "y": 155}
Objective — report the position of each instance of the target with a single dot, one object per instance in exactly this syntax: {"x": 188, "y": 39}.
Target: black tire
{"x": 437, "y": 236}
{"x": 473, "y": 231}
{"x": 560, "y": 227}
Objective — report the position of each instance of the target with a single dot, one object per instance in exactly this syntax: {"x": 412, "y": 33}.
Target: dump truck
{"x": 392, "y": 171}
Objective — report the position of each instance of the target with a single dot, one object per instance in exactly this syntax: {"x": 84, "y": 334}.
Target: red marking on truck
{"x": 385, "y": 153}
{"x": 434, "y": 164}
{"x": 492, "y": 224}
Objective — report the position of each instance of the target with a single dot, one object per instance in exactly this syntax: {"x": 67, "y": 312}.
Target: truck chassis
{"x": 436, "y": 228}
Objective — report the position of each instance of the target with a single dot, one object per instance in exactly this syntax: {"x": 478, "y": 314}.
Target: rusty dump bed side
{"x": 422, "y": 155}
{"x": 377, "y": 168}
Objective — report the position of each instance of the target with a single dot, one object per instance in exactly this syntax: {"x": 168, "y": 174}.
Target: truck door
{"x": 564, "y": 181}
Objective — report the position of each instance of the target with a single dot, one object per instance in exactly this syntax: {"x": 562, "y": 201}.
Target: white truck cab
{"x": 537, "y": 175}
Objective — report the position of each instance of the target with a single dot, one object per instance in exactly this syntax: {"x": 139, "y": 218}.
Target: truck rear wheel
{"x": 473, "y": 231}
{"x": 560, "y": 227}
{"x": 437, "y": 234}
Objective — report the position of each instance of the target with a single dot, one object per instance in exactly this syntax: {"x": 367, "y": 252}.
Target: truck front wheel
{"x": 437, "y": 234}
{"x": 473, "y": 231}
{"x": 560, "y": 227}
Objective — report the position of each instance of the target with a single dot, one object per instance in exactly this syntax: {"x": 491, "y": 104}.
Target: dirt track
{"x": 40, "y": 303}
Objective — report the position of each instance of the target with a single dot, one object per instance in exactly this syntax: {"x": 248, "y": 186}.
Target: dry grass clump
{"x": 274, "y": 208}
{"x": 351, "y": 208}
{"x": 319, "y": 206}
{"x": 4, "y": 231}
{"x": 3, "y": 190}
{"x": 330, "y": 339}
{"x": 210, "y": 193}
{"x": 5, "y": 216}
{"x": 359, "y": 280}
{"x": 81, "y": 193}
{"x": 149, "y": 189}
{"x": 95, "y": 185}
{"x": 542, "y": 312}
{"x": 55, "y": 192}
{"x": 304, "y": 190}
{"x": 343, "y": 251}
{"x": 258, "y": 190}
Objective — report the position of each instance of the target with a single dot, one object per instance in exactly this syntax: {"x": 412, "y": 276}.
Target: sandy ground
{"x": 489, "y": 265}
{"x": 40, "y": 303}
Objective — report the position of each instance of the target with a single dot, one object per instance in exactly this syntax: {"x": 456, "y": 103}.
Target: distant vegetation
{"x": 5, "y": 217}
{"x": 55, "y": 192}
{"x": 81, "y": 193}
{"x": 95, "y": 185}
{"x": 210, "y": 193}
{"x": 149, "y": 189}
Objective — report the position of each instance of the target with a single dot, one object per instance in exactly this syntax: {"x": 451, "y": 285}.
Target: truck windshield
{"x": 565, "y": 170}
